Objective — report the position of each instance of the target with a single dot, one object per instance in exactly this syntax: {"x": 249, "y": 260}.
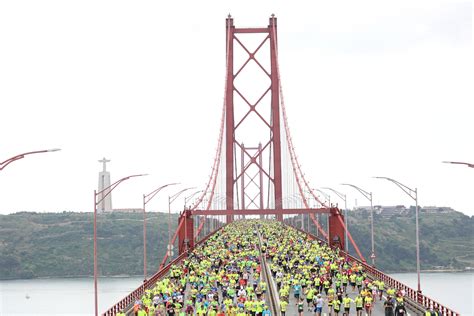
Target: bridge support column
{"x": 186, "y": 232}
{"x": 336, "y": 229}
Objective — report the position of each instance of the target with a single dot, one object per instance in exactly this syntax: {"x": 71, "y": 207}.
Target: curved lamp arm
{"x": 114, "y": 185}
{"x": 151, "y": 195}
{"x": 470, "y": 165}
{"x": 367, "y": 195}
{"x": 339, "y": 194}
{"x": 175, "y": 196}
{"x": 5, "y": 163}
{"x": 410, "y": 192}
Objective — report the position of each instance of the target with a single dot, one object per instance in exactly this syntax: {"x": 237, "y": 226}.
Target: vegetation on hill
{"x": 60, "y": 244}
{"x": 446, "y": 240}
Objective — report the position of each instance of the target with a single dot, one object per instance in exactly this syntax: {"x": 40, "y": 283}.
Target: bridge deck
{"x": 221, "y": 263}
{"x": 293, "y": 255}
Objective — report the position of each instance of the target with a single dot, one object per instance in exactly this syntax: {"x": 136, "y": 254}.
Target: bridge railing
{"x": 412, "y": 294}
{"x": 124, "y": 303}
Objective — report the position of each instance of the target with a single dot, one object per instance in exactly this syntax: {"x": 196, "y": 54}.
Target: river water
{"x": 76, "y": 296}
{"x": 451, "y": 289}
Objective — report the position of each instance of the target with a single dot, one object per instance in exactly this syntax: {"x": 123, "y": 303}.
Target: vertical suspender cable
{"x": 288, "y": 137}
{"x": 217, "y": 159}
{"x": 298, "y": 166}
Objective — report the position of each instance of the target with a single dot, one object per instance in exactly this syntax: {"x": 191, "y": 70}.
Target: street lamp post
{"x": 171, "y": 199}
{"x": 413, "y": 193}
{"x": 5, "y": 163}
{"x": 368, "y": 196}
{"x": 146, "y": 199}
{"x": 344, "y": 198}
{"x": 108, "y": 190}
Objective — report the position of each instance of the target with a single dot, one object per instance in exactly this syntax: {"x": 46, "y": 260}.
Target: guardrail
{"x": 128, "y": 300}
{"x": 417, "y": 298}
{"x": 412, "y": 294}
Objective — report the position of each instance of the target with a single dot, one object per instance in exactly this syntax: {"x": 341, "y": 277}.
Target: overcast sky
{"x": 372, "y": 88}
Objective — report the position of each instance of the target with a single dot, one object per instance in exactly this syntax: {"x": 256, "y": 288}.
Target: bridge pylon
{"x": 336, "y": 229}
{"x": 258, "y": 107}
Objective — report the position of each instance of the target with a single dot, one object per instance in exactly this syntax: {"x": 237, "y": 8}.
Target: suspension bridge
{"x": 256, "y": 174}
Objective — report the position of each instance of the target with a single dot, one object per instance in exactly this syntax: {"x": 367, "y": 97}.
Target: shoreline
{"x": 123, "y": 276}
{"x": 433, "y": 271}
{"x": 119, "y": 276}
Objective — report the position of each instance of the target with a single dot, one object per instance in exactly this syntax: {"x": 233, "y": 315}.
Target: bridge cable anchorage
{"x": 294, "y": 160}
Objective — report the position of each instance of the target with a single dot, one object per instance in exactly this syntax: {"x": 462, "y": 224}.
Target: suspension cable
{"x": 215, "y": 167}
{"x": 289, "y": 141}
{"x": 295, "y": 159}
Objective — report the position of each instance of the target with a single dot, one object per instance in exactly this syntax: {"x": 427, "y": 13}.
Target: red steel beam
{"x": 252, "y": 30}
{"x": 229, "y": 120}
{"x": 281, "y": 212}
{"x": 275, "y": 105}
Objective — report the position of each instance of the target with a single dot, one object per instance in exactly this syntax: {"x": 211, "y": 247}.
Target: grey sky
{"x": 372, "y": 88}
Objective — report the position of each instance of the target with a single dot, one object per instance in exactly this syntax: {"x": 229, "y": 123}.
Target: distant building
{"x": 388, "y": 211}
{"x": 362, "y": 208}
{"x": 128, "y": 210}
{"x": 401, "y": 210}
{"x": 436, "y": 209}
{"x": 104, "y": 198}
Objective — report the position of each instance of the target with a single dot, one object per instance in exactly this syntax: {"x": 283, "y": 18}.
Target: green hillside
{"x": 60, "y": 244}
{"x": 446, "y": 240}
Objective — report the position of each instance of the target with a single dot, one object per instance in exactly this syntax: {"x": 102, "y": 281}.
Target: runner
{"x": 283, "y": 305}
{"x": 381, "y": 287}
{"x": 388, "y": 306}
{"x": 359, "y": 301}
{"x": 347, "y": 304}
{"x": 400, "y": 307}
{"x": 359, "y": 280}
{"x": 309, "y": 297}
{"x": 368, "y": 304}
{"x": 352, "y": 281}
{"x": 318, "y": 307}
{"x": 336, "y": 304}
{"x": 300, "y": 306}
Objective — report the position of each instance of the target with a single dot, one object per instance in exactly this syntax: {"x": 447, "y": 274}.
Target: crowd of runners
{"x": 316, "y": 279}
{"x": 224, "y": 277}
{"x": 220, "y": 278}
